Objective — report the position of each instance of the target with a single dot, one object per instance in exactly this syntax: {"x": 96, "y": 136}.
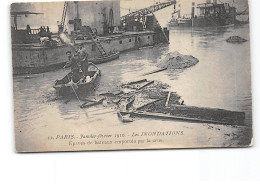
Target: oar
{"x": 73, "y": 48}
{"x": 77, "y": 96}
{"x": 155, "y": 71}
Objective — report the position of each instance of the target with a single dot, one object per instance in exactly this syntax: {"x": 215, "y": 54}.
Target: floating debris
{"x": 125, "y": 118}
{"x": 155, "y": 71}
{"x": 151, "y": 99}
{"x": 201, "y": 114}
{"x": 175, "y": 60}
{"x": 126, "y": 102}
{"x": 90, "y": 103}
{"x": 236, "y": 39}
{"x": 138, "y": 85}
{"x": 155, "y": 101}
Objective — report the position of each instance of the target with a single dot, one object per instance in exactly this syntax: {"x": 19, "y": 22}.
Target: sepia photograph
{"x": 131, "y": 75}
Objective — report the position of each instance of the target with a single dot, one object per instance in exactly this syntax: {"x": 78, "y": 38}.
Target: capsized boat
{"x": 85, "y": 85}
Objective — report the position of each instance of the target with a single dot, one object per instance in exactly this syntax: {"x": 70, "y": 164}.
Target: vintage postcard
{"x": 130, "y": 74}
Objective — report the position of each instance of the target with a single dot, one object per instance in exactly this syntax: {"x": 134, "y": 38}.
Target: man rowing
{"x": 74, "y": 65}
{"x": 78, "y": 64}
{"x": 83, "y": 60}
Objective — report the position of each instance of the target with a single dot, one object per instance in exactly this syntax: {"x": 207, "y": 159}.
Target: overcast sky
{"x": 53, "y": 11}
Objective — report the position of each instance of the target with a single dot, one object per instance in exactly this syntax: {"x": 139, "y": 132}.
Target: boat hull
{"x": 211, "y": 22}
{"x": 30, "y": 58}
{"x": 80, "y": 88}
{"x": 101, "y": 60}
{"x": 182, "y": 23}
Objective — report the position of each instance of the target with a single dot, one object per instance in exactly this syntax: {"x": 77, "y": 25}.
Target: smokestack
{"x": 208, "y": 1}
{"x": 215, "y": 1}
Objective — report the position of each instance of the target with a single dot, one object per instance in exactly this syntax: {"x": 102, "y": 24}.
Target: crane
{"x": 63, "y": 18}
{"x": 140, "y": 14}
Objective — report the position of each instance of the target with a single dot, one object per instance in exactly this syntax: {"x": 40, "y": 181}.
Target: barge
{"x": 102, "y": 32}
{"x": 36, "y": 58}
{"x": 208, "y": 14}
{"x": 214, "y": 14}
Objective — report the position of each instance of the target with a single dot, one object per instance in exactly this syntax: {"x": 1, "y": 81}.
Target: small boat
{"x": 85, "y": 85}
{"x": 180, "y": 23}
{"x": 105, "y": 59}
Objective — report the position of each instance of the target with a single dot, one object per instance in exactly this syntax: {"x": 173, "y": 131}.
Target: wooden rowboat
{"x": 65, "y": 86}
{"x": 105, "y": 59}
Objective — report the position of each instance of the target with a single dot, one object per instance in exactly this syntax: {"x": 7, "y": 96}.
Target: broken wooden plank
{"x": 126, "y": 103}
{"x": 178, "y": 117}
{"x": 136, "y": 82}
{"x": 208, "y": 113}
{"x": 90, "y": 100}
{"x": 145, "y": 85}
{"x": 116, "y": 101}
{"x": 155, "y": 71}
{"x": 130, "y": 102}
{"x": 124, "y": 118}
{"x": 137, "y": 106}
{"x": 138, "y": 85}
{"x": 90, "y": 104}
{"x": 168, "y": 98}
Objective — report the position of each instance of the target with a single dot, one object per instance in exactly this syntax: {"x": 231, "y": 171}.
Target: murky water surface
{"x": 221, "y": 79}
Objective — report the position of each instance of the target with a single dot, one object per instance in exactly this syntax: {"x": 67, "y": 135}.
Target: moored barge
{"x": 207, "y": 14}
{"x": 103, "y": 36}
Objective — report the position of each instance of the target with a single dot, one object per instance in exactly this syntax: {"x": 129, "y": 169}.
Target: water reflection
{"x": 221, "y": 79}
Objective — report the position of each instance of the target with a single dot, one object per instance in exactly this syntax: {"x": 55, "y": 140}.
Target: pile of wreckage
{"x": 150, "y": 99}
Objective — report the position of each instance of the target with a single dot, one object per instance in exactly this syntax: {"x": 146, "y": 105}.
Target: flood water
{"x": 221, "y": 79}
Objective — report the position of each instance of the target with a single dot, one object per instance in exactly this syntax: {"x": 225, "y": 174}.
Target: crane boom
{"x": 63, "y": 18}
{"x": 146, "y": 11}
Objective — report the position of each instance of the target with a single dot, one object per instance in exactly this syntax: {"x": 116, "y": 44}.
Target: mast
{"x": 77, "y": 9}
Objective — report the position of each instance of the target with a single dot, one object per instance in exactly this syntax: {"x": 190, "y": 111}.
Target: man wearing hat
{"x": 83, "y": 60}
{"x": 75, "y": 68}
{"x": 74, "y": 64}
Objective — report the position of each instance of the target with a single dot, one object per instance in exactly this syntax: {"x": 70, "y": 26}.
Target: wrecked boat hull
{"x": 194, "y": 114}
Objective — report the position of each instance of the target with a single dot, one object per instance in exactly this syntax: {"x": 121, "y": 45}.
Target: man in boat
{"x": 68, "y": 53}
{"x": 68, "y": 63}
{"x": 83, "y": 60}
{"x": 75, "y": 68}
{"x": 74, "y": 64}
